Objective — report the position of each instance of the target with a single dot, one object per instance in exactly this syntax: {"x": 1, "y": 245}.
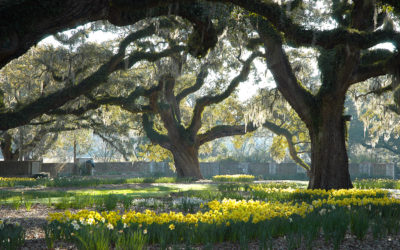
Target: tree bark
{"x": 25, "y": 23}
{"x": 187, "y": 161}
{"x": 6, "y": 148}
{"x": 329, "y": 159}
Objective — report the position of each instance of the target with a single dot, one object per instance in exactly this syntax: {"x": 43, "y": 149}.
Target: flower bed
{"x": 338, "y": 212}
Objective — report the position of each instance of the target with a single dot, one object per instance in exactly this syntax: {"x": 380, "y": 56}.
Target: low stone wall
{"x": 139, "y": 169}
{"x": 208, "y": 169}
{"x": 59, "y": 169}
{"x": 19, "y": 168}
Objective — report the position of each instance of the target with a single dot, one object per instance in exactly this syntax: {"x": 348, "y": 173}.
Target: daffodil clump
{"x": 233, "y": 178}
{"x": 12, "y": 235}
{"x": 231, "y": 220}
{"x": 225, "y": 211}
{"x": 16, "y": 179}
{"x": 13, "y": 181}
{"x": 290, "y": 194}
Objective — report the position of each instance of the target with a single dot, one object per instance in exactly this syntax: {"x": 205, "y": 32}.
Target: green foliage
{"x": 233, "y": 178}
{"x": 12, "y": 235}
{"x": 89, "y": 182}
{"x": 333, "y": 222}
{"x": 334, "y": 225}
{"x": 131, "y": 240}
{"x": 377, "y": 183}
{"x": 88, "y": 238}
{"x": 359, "y": 223}
{"x": 278, "y": 148}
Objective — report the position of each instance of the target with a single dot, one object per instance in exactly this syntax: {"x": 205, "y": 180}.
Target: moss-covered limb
{"x": 377, "y": 92}
{"x": 366, "y": 72}
{"x": 201, "y": 76}
{"x": 340, "y": 12}
{"x": 294, "y": 154}
{"x": 393, "y": 3}
{"x": 337, "y": 66}
{"x": 128, "y": 103}
{"x": 294, "y": 92}
{"x": 384, "y": 145}
{"x": 374, "y": 64}
{"x": 74, "y": 111}
{"x": 302, "y": 36}
{"x": 55, "y": 74}
{"x": 224, "y": 131}
{"x": 153, "y": 135}
{"x": 114, "y": 144}
{"x": 202, "y": 102}
{"x": 26, "y": 23}
{"x": 377, "y": 55}
{"x": 55, "y": 100}
{"x": 151, "y": 57}
{"x": 169, "y": 111}
{"x": 362, "y": 14}
{"x": 23, "y": 115}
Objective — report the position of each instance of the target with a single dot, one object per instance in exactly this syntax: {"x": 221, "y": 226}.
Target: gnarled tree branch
{"x": 223, "y": 131}
{"x": 289, "y": 138}
{"x": 201, "y": 103}
{"x": 201, "y": 76}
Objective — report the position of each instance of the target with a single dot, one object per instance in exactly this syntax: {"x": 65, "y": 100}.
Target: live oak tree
{"x": 22, "y": 30}
{"x": 184, "y": 142}
{"x": 162, "y": 104}
{"x": 346, "y": 55}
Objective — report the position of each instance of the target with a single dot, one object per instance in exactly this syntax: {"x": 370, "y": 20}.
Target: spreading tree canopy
{"x": 343, "y": 32}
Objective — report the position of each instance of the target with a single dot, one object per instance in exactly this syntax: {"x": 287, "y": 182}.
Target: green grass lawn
{"x": 56, "y": 196}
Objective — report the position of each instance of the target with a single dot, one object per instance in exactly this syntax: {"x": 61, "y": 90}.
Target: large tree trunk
{"x": 329, "y": 160}
{"x": 6, "y": 149}
{"x": 187, "y": 162}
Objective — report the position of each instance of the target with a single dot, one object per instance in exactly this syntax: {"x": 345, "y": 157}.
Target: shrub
{"x": 233, "y": 178}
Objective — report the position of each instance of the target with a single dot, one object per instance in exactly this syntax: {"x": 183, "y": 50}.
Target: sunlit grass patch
{"x": 377, "y": 183}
